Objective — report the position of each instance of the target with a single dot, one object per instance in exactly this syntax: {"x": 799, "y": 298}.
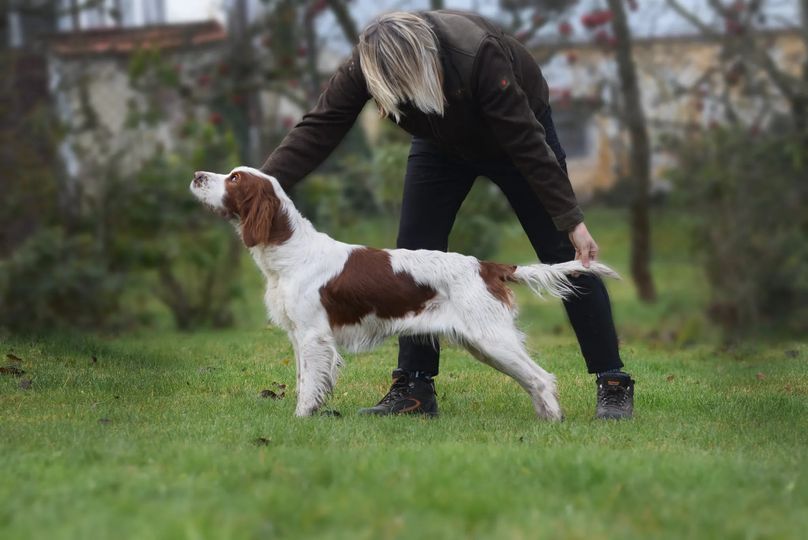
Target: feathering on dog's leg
{"x": 317, "y": 372}
{"x": 298, "y": 369}
{"x": 508, "y": 355}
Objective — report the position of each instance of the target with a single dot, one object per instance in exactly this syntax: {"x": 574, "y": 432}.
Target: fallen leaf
{"x": 285, "y": 361}
{"x": 14, "y": 371}
{"x": 104, "y": 421}
{"x": 670, "y": 377}
{"x": 25, "y": 384}
{"x": 267, "y": 393}
{"x": 760, "y": 376}
{"x": 261, "y": 441}
{"x": 13, "y": 358}
{"x": 330, "y": 412}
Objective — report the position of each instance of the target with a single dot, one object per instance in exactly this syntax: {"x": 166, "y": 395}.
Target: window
{"x": 572, "y": 127}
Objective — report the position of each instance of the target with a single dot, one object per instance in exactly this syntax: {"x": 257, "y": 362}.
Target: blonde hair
{"x": 399, "y": 56}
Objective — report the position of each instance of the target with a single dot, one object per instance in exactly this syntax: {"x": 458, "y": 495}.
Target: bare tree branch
{"x": 344, "y": 20}
{"x": 745, "y": 46}
{"x": 312, "y": 52}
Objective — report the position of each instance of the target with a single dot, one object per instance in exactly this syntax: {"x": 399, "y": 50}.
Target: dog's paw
{"x": 554, "y": 416}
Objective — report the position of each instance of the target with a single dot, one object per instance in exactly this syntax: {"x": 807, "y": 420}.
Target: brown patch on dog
{"x": 495, "y": 276}
{"x": 252, "y": 198}
{"x": 367, "y": 284}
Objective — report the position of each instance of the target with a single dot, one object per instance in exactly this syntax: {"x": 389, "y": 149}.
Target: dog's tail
{"x": 553, "y": 278}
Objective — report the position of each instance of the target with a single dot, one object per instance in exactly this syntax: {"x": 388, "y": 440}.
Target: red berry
{"x": 318, "y": 7}
{"x": 215, "y": 118}
{"x": 733, "y": 26}
{"x": 565, "y": 29}
{"x": 596, "y": 18}
{"x": 602, "y": 36}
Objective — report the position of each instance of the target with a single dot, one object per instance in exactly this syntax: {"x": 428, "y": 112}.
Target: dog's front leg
{"x": 296, "y": 349}
{"x": 318, "y": 361}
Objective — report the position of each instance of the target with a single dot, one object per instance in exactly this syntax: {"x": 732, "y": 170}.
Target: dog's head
{"x": 250, "y": 199}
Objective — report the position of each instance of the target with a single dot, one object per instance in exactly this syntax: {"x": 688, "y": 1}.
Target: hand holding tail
{"x": 586, "y": 250}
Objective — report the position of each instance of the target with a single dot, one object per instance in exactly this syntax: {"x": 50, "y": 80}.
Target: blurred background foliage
{"x": 747, "y": 199}
{"x": 98, "y": 230}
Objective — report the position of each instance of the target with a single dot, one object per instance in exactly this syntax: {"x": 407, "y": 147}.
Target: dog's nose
{"x": 199, "y": 177}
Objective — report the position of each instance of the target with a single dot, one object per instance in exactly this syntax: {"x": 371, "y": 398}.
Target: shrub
{"x": 54, "y": 280}
{"x": 369, "y": 188}
{"x": 748, "y": 198}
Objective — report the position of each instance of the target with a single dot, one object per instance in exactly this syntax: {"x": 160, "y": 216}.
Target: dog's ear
{"x": 259, "y": 210}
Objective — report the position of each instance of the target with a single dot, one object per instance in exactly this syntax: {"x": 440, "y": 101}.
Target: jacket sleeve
{"x": 506, "y": 110}
{"x": 319, "y": 132}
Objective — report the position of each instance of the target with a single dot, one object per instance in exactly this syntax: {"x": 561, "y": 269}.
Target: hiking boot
{"x": 615, "y": 396}
{"x": 406, "y": 396}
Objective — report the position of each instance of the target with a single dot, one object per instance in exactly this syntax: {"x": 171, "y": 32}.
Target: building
{"x": 686, "y": 84}
{"x": 90, "y": 77}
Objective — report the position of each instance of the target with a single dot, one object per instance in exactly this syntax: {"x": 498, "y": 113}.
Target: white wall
{"x": 194, "y": 10}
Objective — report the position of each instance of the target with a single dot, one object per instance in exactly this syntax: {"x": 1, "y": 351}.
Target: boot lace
{"x": 613, "y": 396}
{"x": 397, "y": 390}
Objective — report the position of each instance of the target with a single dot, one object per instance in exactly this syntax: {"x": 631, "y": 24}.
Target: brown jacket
{"x": 494, "y": 91}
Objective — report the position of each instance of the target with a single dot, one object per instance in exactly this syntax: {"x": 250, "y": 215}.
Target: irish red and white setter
{"x": 329, "y": 295}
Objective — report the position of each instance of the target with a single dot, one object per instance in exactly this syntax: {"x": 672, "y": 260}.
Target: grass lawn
{"x": 164, "y": 435}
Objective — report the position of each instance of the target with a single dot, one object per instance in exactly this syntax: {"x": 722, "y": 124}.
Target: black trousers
{"x": 435, "y": 186}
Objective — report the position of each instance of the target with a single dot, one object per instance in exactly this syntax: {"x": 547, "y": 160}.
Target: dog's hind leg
{"x": 318, "y": 367}
{"x": 505, "y": 352}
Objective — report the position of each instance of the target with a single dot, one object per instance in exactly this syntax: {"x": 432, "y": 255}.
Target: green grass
{"x": 157, "y": 437}
{"x": 716, "y": 450}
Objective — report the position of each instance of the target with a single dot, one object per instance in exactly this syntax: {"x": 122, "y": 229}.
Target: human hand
{"x": 585, "y": 247}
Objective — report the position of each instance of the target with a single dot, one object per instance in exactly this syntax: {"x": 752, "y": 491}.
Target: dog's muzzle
{"x": 200, "y": 179}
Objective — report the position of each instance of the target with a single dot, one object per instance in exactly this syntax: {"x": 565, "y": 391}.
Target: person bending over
{"x": 476, "y": 104}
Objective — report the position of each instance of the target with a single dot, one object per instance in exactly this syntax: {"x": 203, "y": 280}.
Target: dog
{"x": 328, "y": 295}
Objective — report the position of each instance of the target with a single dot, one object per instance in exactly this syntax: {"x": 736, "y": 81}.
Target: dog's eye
{"x": 233, "y": 178}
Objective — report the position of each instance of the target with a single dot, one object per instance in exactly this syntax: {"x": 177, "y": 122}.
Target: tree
{"x": 28, "y": 131}
{"x": 609, "y": 29}
{"x": 745, "y": 50}
{"x": 640, "y": 155}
